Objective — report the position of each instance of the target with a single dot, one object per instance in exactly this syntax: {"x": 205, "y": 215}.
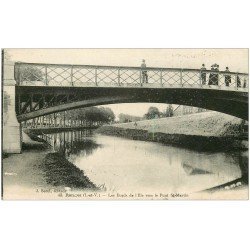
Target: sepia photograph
{"x": 125, "y": 124}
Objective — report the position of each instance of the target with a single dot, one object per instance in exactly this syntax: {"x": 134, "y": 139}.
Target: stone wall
{"x": 11, "y": 127}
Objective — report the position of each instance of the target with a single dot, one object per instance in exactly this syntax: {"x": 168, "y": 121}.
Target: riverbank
{"x": 59, "y": 172}
{"x": 208, "y": 131}
{"x": 27, "y": 175}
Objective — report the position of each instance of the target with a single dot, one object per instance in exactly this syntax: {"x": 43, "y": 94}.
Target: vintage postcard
{"x": 125, "y": 124}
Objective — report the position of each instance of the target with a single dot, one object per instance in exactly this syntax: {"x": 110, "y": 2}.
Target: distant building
{"x": 186, "y": 110}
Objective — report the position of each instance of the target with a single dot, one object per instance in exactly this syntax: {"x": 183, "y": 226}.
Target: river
{"x": 124, "y": 165}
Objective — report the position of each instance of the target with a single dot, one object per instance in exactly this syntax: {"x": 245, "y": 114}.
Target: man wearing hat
{"x": 214, "y": 77}
{"x": 227, "y": 77}
{"x": 211, "y": 76}
{"x": 203, "y": 74}
{"x": 238, "y": 82}
{"x": 144, "y": 72}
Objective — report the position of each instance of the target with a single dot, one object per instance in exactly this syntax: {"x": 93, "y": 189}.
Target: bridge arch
{"x": 234, "y": 103}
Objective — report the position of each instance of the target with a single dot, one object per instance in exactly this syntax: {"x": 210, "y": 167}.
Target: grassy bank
{"x": 58, "y": 171}
{"x": 205, "y": 124}
{"x": 208, "y": 131}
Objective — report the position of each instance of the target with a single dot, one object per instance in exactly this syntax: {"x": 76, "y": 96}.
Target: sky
{"x": 235, "y": 59}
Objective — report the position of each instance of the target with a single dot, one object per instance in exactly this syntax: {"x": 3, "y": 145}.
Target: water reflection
{"x": 74, "y": 143}
{"x": 131, "y": 166}
{"x": 190, "y": 170}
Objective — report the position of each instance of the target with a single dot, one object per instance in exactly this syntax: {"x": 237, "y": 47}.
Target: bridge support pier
{"x": 12, "y": 135}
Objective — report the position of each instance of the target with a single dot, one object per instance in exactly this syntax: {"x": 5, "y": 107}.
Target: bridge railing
{"x": 45, "y": 122}
{"x": 34, "y": 74}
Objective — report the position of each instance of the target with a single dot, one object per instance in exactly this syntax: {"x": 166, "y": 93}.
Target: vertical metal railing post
{"x": 236, "y": 83}
{"x": 219, "y": 74}
{"x": 119, "y": 77}
{"x": 71, "y": 75}
{"x": 96, "y": 77}
{"x": 181, "y": 75}
{"x": 46, "y": 75}
{"x": 161, "y": 82}
{"x": 140, "y": 72}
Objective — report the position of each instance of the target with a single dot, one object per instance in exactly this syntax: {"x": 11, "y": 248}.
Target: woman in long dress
{"x": 214, "y": 76}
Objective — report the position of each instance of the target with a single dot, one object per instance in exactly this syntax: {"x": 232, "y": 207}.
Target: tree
{"x": 152, "y": 113}
{"x": 30, "y": 73}
{"x": 106, "y": 114}
{"x": 93, "y": 114}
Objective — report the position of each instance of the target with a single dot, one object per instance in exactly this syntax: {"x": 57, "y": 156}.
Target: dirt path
{"x": 37, "y": 171}
{"x": 21, "y": 172}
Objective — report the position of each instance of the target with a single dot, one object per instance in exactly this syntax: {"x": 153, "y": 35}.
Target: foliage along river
{"x": 124, "y": 165}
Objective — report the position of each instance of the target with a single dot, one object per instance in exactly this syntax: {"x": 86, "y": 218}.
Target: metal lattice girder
{"x": 171, "y": 77}
{"x": 221, "y": 80}
{"x": 107, "y": 76}
{"x": 226, "y": 80}
{"x": 190, "y": 77}
{"x": 242, "y": 81}
{"x": 83, "y": 75}
{"x": 33, "y": 74}
{"x": 130, "y": 77}
{"x": 58, "y": 75}
{"x": 154, "y": 76}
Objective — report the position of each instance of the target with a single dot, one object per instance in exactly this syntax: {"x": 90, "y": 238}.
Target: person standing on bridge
{"x": 238, "y": 82}
{"x": 245, "y": 83}
{"x": 144, "y": 72}
{"x": 213, "y": 77}
{"x": 203, "y": 74}
{"x": 227, "y": 78}
{"x": 217, "y": 74}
